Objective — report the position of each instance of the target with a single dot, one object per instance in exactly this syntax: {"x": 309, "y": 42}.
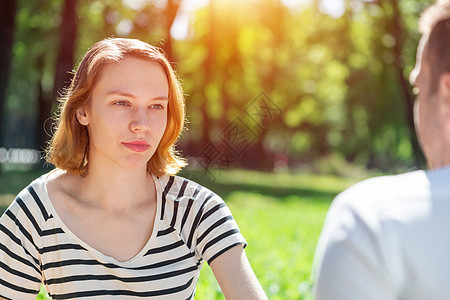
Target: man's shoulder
{"x": 406, "y": 184}
{"x": 387, "y": 196}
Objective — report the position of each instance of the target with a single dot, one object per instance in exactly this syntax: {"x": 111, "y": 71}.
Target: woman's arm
{"x": 235, "y": 275}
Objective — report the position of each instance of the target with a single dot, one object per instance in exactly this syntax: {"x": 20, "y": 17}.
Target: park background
{"x": 289, "y": 102}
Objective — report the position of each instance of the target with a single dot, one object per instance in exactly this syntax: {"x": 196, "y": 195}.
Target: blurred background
{"x": 288, "y": 103}
{"x": 328, "y": 78}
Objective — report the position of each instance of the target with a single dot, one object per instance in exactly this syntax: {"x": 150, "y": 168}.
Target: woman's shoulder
{"x": 55, "y": 178}
{"x": 177, "y": 188}
{"x": 60, "y": 184}
{"x": 39, "y": 189}
{"x": 35, "y": 189}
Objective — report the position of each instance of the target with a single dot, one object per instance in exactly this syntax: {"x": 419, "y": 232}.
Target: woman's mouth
{"x": 137, "y": 146}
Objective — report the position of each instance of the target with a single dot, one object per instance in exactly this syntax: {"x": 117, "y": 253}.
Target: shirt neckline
{"x": 98, "y": 254}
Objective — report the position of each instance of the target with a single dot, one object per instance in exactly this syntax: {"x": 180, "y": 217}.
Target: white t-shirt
{"x": 387, "y": 238}
{"x": 192, "y": 225}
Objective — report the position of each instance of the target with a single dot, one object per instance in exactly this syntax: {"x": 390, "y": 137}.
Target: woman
{"x": 113, "y": 219}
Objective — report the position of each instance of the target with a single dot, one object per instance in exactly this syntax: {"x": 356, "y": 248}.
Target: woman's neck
{"x": 117, "y": 188}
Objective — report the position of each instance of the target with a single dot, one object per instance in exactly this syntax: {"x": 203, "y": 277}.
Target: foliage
{"x": 32, "y": 69}
{"x": 338, "y": 80}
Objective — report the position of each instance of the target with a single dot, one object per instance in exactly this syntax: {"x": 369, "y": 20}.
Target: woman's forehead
{"x": 130, "y": 74}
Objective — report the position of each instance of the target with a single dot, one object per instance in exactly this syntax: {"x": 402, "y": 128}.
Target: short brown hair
{"x": 435, "y": 23}
{"x": 69, "y": 145}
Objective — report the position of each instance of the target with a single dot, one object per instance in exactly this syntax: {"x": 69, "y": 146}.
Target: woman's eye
{"x": 121, "y": 103}
{"x": 157, "y": 106}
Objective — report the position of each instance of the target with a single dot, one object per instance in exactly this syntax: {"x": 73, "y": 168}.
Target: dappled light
{"x": 333, "y": 69}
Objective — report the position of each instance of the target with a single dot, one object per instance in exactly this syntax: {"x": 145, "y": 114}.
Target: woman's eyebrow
{"x": 161, "y": 98}
{"x": 121, "y": 93}
{"x": 126, "y": 94}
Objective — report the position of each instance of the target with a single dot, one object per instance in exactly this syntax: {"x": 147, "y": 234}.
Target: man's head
{"x": 431, "y": 77}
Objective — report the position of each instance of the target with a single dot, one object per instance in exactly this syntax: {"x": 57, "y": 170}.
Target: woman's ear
{"x": 82, "y": 116}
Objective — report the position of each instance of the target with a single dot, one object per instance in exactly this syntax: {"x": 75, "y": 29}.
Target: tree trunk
{"x": 171, "y": 13}
{"x": 44, "y": 110}
{"x": 397, "y": 32}
{"x": 64, "y": 65}
{"x": 207, "y": 66}
{"x": 7, "y": 19}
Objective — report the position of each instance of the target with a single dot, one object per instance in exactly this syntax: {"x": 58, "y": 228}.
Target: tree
{"x": 398, "y": 32}
{"x": 7, "y": 19}
{"x": 64, "y": 64}
{"x": 170, "y": 12}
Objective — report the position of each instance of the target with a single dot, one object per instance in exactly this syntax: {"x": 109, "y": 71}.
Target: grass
{"x": 280, "y": 215}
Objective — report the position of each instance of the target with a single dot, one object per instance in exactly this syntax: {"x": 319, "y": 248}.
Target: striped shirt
{"x": 192, "y": 225}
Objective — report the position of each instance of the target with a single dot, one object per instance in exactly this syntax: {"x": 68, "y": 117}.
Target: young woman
{"x": 112, "y": 220}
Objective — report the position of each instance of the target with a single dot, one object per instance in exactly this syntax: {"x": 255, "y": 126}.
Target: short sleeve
{"x": 217, "y": 230}
{"x": 20, "y": 276}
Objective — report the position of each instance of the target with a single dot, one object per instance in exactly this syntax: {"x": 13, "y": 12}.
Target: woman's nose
{"x": 140, "y": 121}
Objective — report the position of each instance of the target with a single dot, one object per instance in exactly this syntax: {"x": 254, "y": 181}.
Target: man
{"x": 389, "y": 237}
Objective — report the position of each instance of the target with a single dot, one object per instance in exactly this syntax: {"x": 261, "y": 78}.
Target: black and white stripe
{"x": 193, "y": 225}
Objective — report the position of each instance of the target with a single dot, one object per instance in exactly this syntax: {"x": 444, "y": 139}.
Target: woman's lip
{"x": 138, "y": 146}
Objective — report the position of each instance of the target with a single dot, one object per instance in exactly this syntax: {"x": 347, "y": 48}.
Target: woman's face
{"x": 127, "y": 115}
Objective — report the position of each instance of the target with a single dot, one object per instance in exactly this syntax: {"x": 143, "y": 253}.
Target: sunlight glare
{"x": 334, "y": 8}
{"x": 180, "y": 27}
{"x": 296, "y": 4}
{"x": 134, "y": 4}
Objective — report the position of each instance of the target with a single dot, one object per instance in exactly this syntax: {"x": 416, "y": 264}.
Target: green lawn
{"x": 280, "y": 215}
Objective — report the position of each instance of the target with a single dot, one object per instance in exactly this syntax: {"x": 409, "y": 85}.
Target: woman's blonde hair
{"x": 69, "y": 146}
